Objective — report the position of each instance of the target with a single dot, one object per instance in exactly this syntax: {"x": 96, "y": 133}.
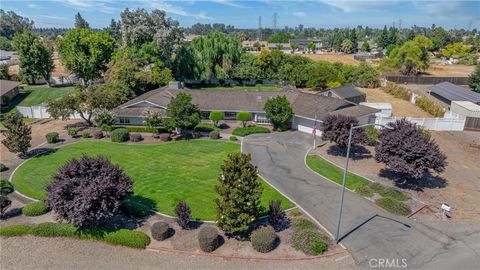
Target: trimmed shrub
{"x": 119, "y": 135}
{"x": 244, "y": 117}
{"x": 5, "y": 203}
{"x": 143, "y": 129}
{"x": 164, "y": 137}
{"x": 372, "y": 135}
{"x": 214, "y": 135}
{"x": 263, "y": 239}
{"x": 393, "y": 206}
{"x": 183, "y": 214}
{"x": 128, "y": 238}
{"x": 364, "y": 190}
{"x": 98, "y": 134}
{"x": 15, "y": 230}
{"x": 276, "y": 216}
{"x": 72, "y": 132}
{"x": 3, "y": 167}
{"x": 295, "y": 213}
{"x": 205, "y": 127}
{"x": 51, "y": 229}
{"x": 429, "y": 106}
{"x": 233, "y": 138}
{"x": 134, "y": 209}
{"x": 208, "y": 239}
{"x": 215, "y": 117}
{"x": 34, "y": 209}
{"x": 136, "y": 137}
{"x": 85, "y": 134}
{"x": 160, "y": 230}
{"x": 52, "y": 137}
{"x": 6, "y": 187}
{"x": 242, "y": 132}
{"x": 309, "y": 242}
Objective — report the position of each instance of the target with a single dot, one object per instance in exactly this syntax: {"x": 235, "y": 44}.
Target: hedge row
{"x": 206, "y": 127}
{"x": 122, "y": 237}
{"x": 136, "y": 129}
{"x": 397, "y": 91}
{"x": 34, "y": 209}
{"x": 429, "y": 106}
{"x": 242, "y": 132}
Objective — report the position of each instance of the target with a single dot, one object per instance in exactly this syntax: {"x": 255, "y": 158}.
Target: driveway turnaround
{"x": 375, "y": 238}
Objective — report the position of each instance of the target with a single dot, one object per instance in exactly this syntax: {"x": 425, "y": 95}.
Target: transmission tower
{"x": 275, "y": 18}
{"x": 259, "y": 30}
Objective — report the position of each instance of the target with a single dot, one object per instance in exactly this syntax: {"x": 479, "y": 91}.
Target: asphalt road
{"x": 371, "y": 235}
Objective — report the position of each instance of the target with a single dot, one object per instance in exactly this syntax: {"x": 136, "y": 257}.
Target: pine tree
{"x": 18, "y": 135}
{"x": 382, "y": 40}
{"x": 80, "y": 22}
{"x": 353, "y": 38}
{"x": 239, "y": 189}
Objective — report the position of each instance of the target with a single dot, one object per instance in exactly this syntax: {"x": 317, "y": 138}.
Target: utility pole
{"x": 259, "y": 30}
{"x": 275, "y": 18}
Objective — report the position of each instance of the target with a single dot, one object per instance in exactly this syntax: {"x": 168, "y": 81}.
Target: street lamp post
{"x": 342, "y": 192}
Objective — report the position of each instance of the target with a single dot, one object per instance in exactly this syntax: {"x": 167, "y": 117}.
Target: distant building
{"x": 349, "y": 92}
{"x": 8, "y": 91}
{"x": 448, "y": 92}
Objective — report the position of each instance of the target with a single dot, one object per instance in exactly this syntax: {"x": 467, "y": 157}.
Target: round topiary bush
{"x": 214, "y": 135}
{"x": 263, "y": 239}
{"x": 160, "y": 230}
{"x": 72, "y": 132}
{"x": 52, "y": 137}
{"x": 98, "y": 134}
{"x": 120, "y": 135}
{"x": 164, "y": 137}
{"x": 35, "y": 209}
{"x": 136, "y": 137}
{"x": 233, "y": 138}
{"x": 208, "y": 239}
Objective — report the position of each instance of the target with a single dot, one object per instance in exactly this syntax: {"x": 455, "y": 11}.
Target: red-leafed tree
{"x": 86, "y": 191}
{"x": 337, "y": 127}
{"x": 407, "y": 151}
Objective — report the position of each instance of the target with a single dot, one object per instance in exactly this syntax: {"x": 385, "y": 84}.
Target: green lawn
{"x": 36, "y": 95}
{"x": 258, "y": 87}
{"x": 163, "y": 174}
{"x": 334, "y": 173}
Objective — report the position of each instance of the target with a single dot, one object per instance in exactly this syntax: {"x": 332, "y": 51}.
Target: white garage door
{"x": 305, "y": 125}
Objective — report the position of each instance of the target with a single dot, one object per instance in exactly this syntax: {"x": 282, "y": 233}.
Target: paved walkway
{"x": 367, "y": 231}
{"x": 64, "y": 254}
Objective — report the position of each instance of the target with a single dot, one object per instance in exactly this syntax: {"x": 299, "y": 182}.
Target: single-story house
{"x": 448, "y": 92}
{"x": 8, "y": 91}
{"x": 306, "y": 107}
{"x": 348, "y": 92}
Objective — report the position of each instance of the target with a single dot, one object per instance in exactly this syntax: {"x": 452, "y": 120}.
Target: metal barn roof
{"x": 452, "y": 92}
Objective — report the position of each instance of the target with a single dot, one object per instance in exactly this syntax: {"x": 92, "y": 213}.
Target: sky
{"x": 245, "y": 14}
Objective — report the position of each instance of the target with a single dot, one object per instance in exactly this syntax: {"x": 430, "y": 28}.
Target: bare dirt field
{"x": 59, "y": 70}
{"x": 457, "y": 70}
{"x": 401, "y": 108}
{"x": 342, "y": 58}
{"x": 458, "y": 185}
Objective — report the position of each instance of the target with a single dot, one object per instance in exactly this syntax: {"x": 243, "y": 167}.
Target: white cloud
{"x": 299, "y": 14}
{"x": 54, "y": 17}
{"x": 94, "y": 5}
{"x": 178, "y": 10}
{"x": 228, "y": 3}
{"x": 356, "y": 5}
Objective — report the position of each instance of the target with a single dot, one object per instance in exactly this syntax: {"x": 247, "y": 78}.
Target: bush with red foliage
{"x": 86, "y": 191}
{"x": 337, "y": 127}
{"x": 407, "y": 151}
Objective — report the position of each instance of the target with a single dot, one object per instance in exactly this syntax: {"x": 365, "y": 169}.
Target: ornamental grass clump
{"x": 264, "y": 239}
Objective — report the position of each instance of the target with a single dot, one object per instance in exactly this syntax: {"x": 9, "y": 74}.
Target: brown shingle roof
{"x": 303, "y": 104}
{"x": 7, "y": 86}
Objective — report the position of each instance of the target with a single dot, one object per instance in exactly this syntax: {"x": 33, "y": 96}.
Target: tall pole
{"x": 342, "y": 192}
{"x": 314, "y": 131}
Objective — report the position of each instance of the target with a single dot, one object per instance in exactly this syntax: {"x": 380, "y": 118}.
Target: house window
{"x": 205, "y": 115}
{"x": 230, "y": 115}
{"x": 262, "y": 119}
{"x": 124, "y": 120}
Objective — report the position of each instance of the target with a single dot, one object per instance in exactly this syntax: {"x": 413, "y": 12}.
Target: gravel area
{"x": 47, "y": 253}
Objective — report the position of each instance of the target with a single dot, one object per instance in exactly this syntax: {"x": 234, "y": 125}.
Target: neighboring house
{"x": 448, "y": 92}
{"x": 348, "y": 92}
{"x": 306, "y": 107}
{"x": 8, "y": 91}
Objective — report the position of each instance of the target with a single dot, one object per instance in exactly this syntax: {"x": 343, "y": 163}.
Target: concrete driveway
{"x": 368, "y": 232}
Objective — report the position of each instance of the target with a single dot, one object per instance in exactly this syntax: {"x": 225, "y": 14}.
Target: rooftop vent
{"x": 175, "y": 85}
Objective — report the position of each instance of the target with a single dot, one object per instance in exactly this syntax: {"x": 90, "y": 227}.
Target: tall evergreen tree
{"x": 239, "y": 190}
{"x": 353, "y": 38}
{"x": 382, "y": 39}
{"x": 18, "y": 135}
{"x": 80, "y": 22}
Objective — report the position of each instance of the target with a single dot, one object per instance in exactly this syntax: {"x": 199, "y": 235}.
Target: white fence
{"x": 438, "y": 124}
{"x": 39, "y": 112}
